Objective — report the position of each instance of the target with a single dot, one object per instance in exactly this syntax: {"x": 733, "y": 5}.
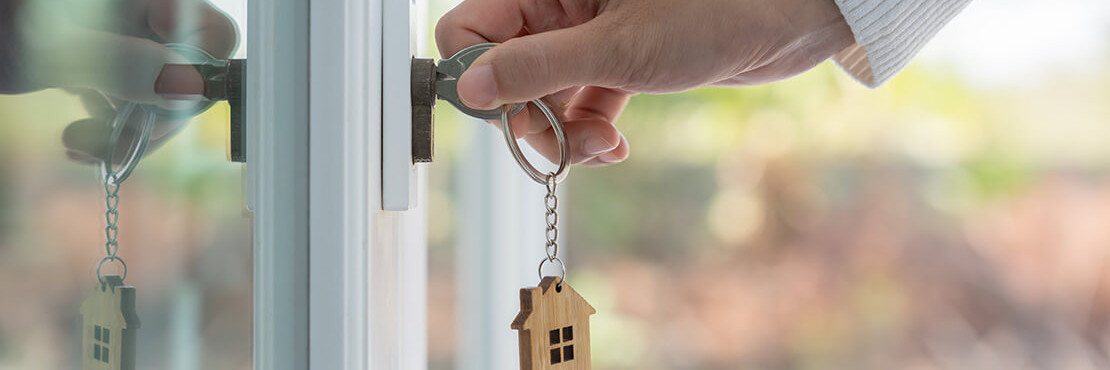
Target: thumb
{"x": 122, "y": 66}
{"x": 533, "y": 66}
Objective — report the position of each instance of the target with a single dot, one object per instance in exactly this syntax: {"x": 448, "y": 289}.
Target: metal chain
{"x": 111, "y": 232}
{"x": 551, "y": 204}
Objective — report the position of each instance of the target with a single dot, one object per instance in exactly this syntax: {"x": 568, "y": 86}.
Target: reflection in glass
{"x": 65, "y": 67}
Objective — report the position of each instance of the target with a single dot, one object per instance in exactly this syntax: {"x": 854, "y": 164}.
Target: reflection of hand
{"x": 114, "y": 47}
{"x": 587, "y": 56}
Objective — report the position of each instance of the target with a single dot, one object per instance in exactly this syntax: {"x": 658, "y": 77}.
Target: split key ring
{"x": 560, "y": 136}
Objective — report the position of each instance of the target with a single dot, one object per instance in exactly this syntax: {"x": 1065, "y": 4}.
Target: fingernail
{"x": 610, "y": 157}
{"x": 596, "y": 145}
{"x": 179, "y": 80}
{"x": 477, "y": 88}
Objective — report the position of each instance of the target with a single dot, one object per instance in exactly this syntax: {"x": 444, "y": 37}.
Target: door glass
{"x": 66, "y": 67}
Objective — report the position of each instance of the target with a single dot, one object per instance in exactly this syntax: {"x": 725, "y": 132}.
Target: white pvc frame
{"x": 338, "y": 283}
{"x": 277, "y": 179}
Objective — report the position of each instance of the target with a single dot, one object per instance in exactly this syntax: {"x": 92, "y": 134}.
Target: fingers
{"x": 128, "y": 66}
{"x": 122, "y": 66}
{"x": 612, "y": 157}
{"x": 598, "y": 102}
{"x": 478, "y": 21}
{"x": 587, "y": 139}
{"x": 587, "y": 115}
{"x": 196, "y": 23}
{"x": 86, "y": 140}
{"x": 209, "y": 29}
{"x": 533, "y": 66}
{"x": 179, "y": 80}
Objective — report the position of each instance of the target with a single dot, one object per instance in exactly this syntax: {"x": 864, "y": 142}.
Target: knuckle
{"x": 450, "y": 33}
{"x": 442, "y": 33}
{"x": 520, "y": 65}
{"x": 443, "y": 27}
{"x": 625, "y": 58}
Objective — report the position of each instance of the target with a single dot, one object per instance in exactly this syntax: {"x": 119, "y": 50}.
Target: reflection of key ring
{"x": 113, "y": 178}
{"x": 139, "y": 143}
{"x": 123, "y": 266}
{"x": 136, "y": 149}
{"x": 560, "y": 136}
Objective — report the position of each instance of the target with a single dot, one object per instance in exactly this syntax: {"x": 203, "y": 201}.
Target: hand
{"x": 110, "y": 52}
{"x": 586, "y": 57}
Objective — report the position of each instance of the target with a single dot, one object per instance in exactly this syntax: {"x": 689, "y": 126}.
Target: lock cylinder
{"x": 423, "y": 103}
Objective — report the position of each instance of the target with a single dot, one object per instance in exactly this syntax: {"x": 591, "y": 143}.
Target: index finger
{"x": 194, "y": 22}
{"x": 478, "y": 21}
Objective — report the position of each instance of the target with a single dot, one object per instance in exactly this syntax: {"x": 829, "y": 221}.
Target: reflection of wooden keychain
{"x": 109, "y": 320}
{"x": 554, "y": 321}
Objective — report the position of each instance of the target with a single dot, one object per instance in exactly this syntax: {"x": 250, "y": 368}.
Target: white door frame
{"x": 277, "y": 179}
{"x": 338, "y": 283}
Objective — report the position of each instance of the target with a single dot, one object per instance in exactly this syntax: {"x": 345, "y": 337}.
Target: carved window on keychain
{"x": 562, "y": 349}
{"x": 101, "y": 340}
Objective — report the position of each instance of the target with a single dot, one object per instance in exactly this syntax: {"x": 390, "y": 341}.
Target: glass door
{"x": 66, "y": 68}
{"x": 288, "y": 262}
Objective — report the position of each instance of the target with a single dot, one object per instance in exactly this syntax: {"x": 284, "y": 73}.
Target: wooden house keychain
{"x": 110, "y": 322}
{"x": 554, "y": 320}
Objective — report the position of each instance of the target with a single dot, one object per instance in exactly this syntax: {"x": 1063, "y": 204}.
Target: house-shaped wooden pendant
{"x": 109, "y": 326}
{"x": 554, "y": 327}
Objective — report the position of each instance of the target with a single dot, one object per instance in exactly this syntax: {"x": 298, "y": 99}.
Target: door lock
{"x": 226, "y": 80}
{"x": 430, "y": 82}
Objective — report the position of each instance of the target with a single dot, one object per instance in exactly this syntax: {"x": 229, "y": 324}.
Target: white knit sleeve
{"x": 889, "y": 33}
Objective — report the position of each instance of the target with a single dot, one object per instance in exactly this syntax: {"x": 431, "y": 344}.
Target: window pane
{"x": 554, "y": 336}
{"x": 555, "y": 356}
{"x": 65, "y": 67}
{"x": 568, "y": 353}
{"x": 568, "y": 333}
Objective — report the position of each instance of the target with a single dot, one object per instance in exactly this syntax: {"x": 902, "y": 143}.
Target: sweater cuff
{"x": 889, "y": 33}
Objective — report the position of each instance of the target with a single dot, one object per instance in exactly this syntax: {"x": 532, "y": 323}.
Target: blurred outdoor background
{"x": 958, "y": 217}
{"x": 182, "y": 233}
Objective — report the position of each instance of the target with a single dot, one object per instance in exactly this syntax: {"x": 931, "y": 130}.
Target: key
{"x": 448, "y": 72}
{"x": 431, "y": 82}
